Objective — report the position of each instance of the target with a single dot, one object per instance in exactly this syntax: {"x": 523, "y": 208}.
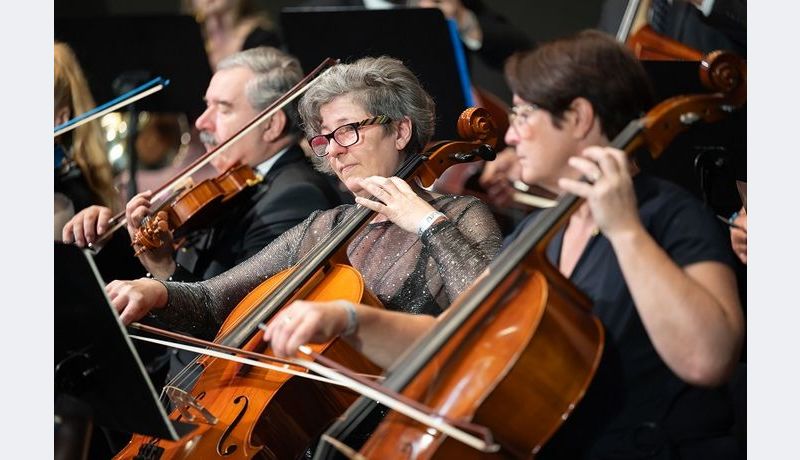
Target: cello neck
{"x": 474, "y": 124}
{"x": 310, "y": 264}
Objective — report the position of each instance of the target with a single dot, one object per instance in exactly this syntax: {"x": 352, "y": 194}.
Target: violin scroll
{"x": 150, "y": 234}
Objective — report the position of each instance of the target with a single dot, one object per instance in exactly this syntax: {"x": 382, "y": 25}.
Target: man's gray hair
{"x": 275, "y": 73}
{"x": 381, "y": 86}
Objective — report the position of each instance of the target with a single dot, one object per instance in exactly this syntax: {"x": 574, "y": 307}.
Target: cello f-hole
{"x": 226, "y": 434}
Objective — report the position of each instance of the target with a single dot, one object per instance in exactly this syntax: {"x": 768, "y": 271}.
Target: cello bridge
{"x": 184, "y": 402}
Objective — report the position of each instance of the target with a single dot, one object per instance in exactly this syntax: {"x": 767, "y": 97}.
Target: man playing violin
{"x": 243, "y": 86}
{"x": 420, "y": 251}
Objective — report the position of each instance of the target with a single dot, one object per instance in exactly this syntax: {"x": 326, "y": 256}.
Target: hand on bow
{"x": 85, "y": 226}
{"x": 609, "y": 192}
{"x": 133, "y": 300}
{"x": 396, "y": 201}
{"x": 305, "y": 322}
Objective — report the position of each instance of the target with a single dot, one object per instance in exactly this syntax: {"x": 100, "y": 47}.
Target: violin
{"x": 193, "y": 208}
{"x": 516, "y": 352}
{"x": 243, "y": 411}
{"x": 171, "y": 187}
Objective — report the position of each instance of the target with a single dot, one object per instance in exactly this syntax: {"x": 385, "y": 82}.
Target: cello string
{"x": 405, "y": 170}
{"x": 240, "y": 360}
{"x": 333, "y": 377}
{"x": 344, "y": 449}
{"x": 325, "y": 241}
{"x": 182, "y": 376}
{"x": 436, "y": 422}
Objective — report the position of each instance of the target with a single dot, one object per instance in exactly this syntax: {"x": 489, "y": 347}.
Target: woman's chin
{"x": 354, "y": 185}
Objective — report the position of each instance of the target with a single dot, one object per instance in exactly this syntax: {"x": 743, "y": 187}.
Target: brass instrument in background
{"x": 162, "y": 139}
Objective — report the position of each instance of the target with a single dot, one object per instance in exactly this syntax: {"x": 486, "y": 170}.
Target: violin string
{"x": 119, "y": 220}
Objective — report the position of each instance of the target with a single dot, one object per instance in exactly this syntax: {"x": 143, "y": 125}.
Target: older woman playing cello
{"x": 652, "y": 259}
{"x": 422, "y": 249}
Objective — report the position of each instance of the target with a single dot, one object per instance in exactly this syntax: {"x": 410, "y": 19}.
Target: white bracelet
{"x": 427, "y": 221}
{"x": 352, "y": 318}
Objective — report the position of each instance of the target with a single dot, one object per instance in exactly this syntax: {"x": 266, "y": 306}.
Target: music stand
{"x": 167, "y": 46}
{"x": 426, "y": 47}
{"x": 95, "y": 359}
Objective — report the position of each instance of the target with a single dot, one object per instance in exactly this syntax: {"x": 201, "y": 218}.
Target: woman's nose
{"x": 512, "y": 136}
{"x": 334, "y": 149}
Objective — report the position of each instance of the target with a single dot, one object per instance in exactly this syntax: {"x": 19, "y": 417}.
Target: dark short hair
{"x": 590, "y": 64}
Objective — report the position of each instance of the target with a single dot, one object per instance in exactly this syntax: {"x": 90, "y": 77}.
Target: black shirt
{"x": 636, "y": 405}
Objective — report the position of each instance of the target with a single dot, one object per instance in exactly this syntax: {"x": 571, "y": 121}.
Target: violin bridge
{"x": 183, "y": 401}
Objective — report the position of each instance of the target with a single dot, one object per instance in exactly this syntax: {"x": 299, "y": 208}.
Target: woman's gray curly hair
{"x": 381, "y": 86}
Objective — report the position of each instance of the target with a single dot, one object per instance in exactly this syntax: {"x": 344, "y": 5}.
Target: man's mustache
{"x": 207, "y": 138}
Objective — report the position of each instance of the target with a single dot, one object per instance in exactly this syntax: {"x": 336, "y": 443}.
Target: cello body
{"x": 239, "y": 395}
{"x": 251, "y": 412}
{"x": 537, "y": 343}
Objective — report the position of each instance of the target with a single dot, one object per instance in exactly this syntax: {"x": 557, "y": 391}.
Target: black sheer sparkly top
{"x": 420, "y": 275}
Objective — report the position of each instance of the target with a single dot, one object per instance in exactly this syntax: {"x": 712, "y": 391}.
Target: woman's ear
{"x": 403, "y": 133}
{"x": 582, "y": 117}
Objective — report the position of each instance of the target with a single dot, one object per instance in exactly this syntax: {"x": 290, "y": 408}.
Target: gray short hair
{"x": 275, "y": 73}
{"x": 381, "y": 86}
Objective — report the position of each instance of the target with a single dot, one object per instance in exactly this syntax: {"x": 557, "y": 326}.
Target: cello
{"x": 516, "y": 352}
{"x": 244, "y": 412}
